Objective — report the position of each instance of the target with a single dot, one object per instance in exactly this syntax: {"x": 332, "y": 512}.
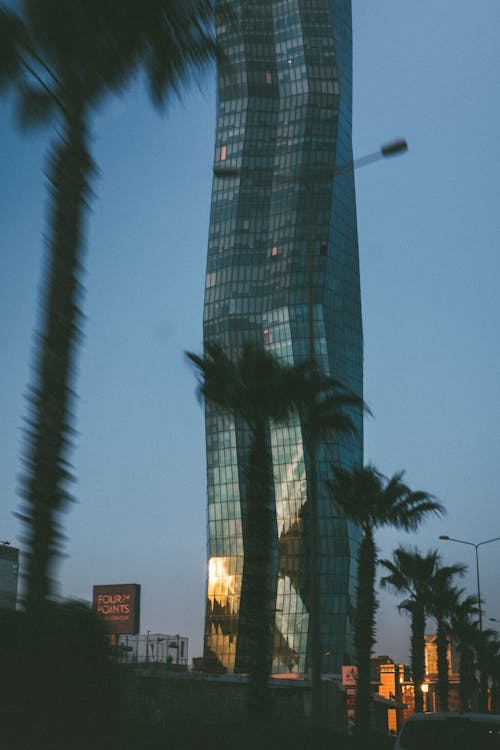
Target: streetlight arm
{"x": 460, "y": 541}
{"x": 476, "y": 547}
{"x": 392, "y": 148}
{"x": 471, "y": 544}
{"x": 496, "y": 539}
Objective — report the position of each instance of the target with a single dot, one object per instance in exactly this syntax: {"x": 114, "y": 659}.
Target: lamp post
{"x": 476, "y": 547}
{"x": 392, "y": 148}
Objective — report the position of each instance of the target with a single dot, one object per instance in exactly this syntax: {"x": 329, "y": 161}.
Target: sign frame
{"x": 118, "y": 606}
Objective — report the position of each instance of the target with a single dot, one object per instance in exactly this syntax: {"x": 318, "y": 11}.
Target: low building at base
{"x": 152, "y": 648}
{"x": 9, "y": 574}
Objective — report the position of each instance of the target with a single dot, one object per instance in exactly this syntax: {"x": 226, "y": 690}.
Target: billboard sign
{"x": 349, "y": 675}
{"x": 118, "y": 606}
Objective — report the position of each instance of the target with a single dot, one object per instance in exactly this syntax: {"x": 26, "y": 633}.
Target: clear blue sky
{"x": 429, "y": 229}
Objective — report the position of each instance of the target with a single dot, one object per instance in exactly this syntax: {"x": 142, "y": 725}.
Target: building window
{"x": 269, "y": 76}
{"x": 223, "y": 153}
{"x": 274, "y": 250}
{"x": 267, "y": 336}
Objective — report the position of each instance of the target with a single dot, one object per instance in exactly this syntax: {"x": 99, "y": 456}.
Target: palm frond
{"x": 35, "y": 107}
{"x": 411, "y": 509}
{"x": 217, "y": 375}
{"x": 12, "y": 32}
{"x": 179, "y": 41}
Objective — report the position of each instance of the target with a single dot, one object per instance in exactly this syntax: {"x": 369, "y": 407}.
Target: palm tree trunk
{"x": 483, "y": 680}
{"x": 49, "y": 432}
{"x": 364, "y": 629}
{"x": 494, "y": 696}
{"x": 442, "y": 664}
{"x": 417, "y": 647}
{"x": 257, "y": 590}
{"x": 466, "y": 671}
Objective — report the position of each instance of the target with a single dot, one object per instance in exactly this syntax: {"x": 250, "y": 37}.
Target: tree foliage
{"x": 444, "y": 597}
{"x": 410, "y": 573}
{"x": 62, "y": 58}
{"x": 374, "y": 501}
{"x": 259, "y": 390}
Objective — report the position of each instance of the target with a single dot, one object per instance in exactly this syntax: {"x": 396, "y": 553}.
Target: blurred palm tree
{"x": 444, "y": 597}
{"x": 373, "y": 501}
{"x": 257, "y": 389}
{"x": 487, "y": 653}
{"x": 411, "y": 573}
{"x": 465, "y": 631}
{"x": 63, "y": 57}
{"x": 494, "y": 672}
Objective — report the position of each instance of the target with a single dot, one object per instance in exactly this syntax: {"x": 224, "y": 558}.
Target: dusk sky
{"x": 429, "y": 237}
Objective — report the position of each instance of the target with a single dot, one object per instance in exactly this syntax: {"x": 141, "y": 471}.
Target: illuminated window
{"x": 269, "y": 76}
{"x": 267, "y": 336}
{"x": 274, "y": 250}
{"x": 223, "y": 153}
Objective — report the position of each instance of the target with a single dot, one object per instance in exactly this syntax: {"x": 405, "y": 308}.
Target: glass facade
{"x": 286, "y": 200}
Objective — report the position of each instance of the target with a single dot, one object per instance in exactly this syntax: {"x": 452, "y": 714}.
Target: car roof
{"x": 454, "y": 715}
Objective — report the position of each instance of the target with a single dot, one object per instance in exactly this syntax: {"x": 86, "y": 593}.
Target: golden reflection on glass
{"x": 291, "y": 618}
{"x": 224, "y": 588}
{"x": 220, "y": 581}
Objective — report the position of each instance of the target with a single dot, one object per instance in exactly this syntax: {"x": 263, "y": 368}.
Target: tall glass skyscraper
{"x": 286, "y": 200}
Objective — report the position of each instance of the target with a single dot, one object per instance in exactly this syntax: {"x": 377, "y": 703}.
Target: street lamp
{"x": 424, "y": 687}
{"x": 476, "y": 547}
{"x": 395, "y": 147}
